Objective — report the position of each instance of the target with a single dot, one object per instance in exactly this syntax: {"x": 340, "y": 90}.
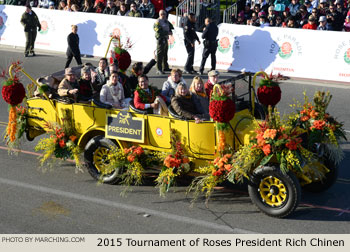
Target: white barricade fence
{"x": 301, "y": 53}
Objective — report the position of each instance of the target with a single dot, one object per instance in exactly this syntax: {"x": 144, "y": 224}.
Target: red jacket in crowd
{"x": 158, "y": 5}
{"x": 310, "y": 26}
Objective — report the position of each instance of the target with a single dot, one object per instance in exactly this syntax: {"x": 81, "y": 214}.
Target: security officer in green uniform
{"x": 30, "y": 22}
{"x": 163, "y": 28}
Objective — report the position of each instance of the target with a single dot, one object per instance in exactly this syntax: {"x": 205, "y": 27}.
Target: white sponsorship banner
{"x": 323, "y": 55}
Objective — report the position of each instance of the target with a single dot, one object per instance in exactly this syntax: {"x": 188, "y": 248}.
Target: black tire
{"x": 259, "y": 112}
{"x": 95, "y": 150}
{"x": 329, "y": 179}
{"x": 285, "y": 187}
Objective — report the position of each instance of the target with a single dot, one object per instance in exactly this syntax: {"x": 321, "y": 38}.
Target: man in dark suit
{"x": 73, "y": 47}
{"x": 190, "y": 39}
{"x": 209, "y": 35}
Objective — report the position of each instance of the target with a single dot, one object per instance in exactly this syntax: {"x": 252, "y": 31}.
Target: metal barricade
{"x": 201, "y": 8}
{"x": 229, "y": 12}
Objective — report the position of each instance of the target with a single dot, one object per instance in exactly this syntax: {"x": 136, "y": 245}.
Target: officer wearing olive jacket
{"x": 30, "y": 22}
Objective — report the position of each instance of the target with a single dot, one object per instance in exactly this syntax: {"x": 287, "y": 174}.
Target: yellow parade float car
{"x": 275, "y": 159}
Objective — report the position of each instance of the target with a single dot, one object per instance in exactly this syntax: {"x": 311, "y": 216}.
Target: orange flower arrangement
{"x": 319, "y": 126}
{"x": 174, "y": 165}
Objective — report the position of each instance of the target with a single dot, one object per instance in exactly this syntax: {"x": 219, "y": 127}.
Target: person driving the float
{"x": 213, "y": 78}
{"x": 69, "y": 87}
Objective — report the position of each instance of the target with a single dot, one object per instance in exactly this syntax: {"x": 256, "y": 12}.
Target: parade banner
{"x": 323, "y": 55}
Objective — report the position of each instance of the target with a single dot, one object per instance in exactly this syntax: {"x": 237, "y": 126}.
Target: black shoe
{"x": 26, "y": 55}
{"x": 201, "y": 72}
{"x": 33, "y": 54}
{"x": 194, "y": 72}
{"x": 167, "y": 70}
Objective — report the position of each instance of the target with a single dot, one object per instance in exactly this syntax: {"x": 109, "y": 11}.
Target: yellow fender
{"x": 95, "y": 131}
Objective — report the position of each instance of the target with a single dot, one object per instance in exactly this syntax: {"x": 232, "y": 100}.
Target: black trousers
{"x": 190, "y": 56}
{"x": 70, "y": 57}
{"x": 212, "y": 51}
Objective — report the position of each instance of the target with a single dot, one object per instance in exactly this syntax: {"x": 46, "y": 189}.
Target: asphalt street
{"x": 62, "y": 201}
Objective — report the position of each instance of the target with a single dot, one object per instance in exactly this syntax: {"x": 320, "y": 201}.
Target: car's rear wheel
{"x": 97, "y": 160}
{"x": 329, "y": 179}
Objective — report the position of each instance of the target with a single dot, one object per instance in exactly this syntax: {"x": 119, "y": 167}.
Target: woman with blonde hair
{"x": 182, "y": 103}
{"x": 199, "y": 96}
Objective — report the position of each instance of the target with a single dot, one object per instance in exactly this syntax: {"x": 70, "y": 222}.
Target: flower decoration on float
{"x": 269, "y": 91}
{"x": 322, "y": 131}
{"x": 130, "y": 164}
{"x": 120, "y": 53}
{"x": 61, "y": 144}
{"x": 175, "y": 164}
{"x": 13, "y": 93}
{"x": 221, "y": 109}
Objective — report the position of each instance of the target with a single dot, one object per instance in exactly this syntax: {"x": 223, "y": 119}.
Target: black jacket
{"x": 190, "y": 34}
{"x": 73, "y": 44}
{"x": 210, "y": 32}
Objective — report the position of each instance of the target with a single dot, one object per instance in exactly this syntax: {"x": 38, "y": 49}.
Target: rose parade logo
{"x": 286, "y": 50}
{"x": 171, "y": 41}
{"x": 117, "y": 33}
{"x": 224, "y": 45}
{"x": 347, "y": 56}
{"x": 44, "y": 27}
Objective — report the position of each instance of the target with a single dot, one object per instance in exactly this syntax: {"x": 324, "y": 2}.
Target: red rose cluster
{"x": 123, "y": 57}
{"x": 13, "y": 92}
{"x": 222, "y": 110}
{"x": 269, "y": 95}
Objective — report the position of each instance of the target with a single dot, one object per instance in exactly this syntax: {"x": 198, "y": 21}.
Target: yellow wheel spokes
{"x": 100, "y": 158}
{"x": 272, "y": 191}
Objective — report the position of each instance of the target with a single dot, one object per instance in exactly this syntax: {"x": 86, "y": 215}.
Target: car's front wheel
{"x": 97, "y": 160}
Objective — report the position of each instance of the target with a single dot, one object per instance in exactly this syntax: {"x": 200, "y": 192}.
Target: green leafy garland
{"x": 145, "y": 96}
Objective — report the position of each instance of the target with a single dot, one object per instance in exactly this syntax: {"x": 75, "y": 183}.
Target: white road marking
{"x": 127, "y": 207}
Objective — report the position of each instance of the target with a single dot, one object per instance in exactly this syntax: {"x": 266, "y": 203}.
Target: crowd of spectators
{"x": 136, "y": 8}
{"x": 332, "y": 15}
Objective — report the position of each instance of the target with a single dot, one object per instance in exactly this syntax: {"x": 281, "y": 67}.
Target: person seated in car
{"x": 100, "y": 75}
{"x": 169, "y": 86}
{"x": 112, "y": 93}
{"x": 123, "y": 79}
{"x": 147, "y": 97}
{"x": 199, "y": 97}
{"x": 183, "y": 104}
{"x": 69, "y": 87}
{"x": 86, "y": 90}
{"x": 213, "y": 78}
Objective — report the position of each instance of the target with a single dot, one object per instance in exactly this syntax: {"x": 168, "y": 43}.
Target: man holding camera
{"x": 30, "y": 21}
